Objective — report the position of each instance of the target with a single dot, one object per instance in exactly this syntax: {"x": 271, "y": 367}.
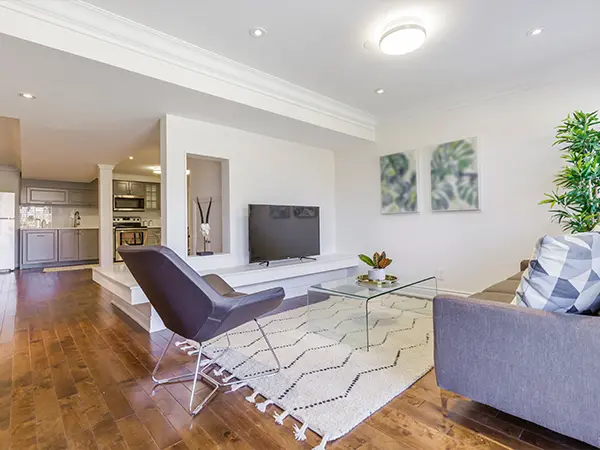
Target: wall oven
{"x": 129, "y": 203}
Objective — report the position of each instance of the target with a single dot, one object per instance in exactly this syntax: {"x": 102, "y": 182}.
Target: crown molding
{"x": 91, "y": 32}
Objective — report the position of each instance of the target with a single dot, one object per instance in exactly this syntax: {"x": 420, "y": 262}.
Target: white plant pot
{"x": 377, "y": 274}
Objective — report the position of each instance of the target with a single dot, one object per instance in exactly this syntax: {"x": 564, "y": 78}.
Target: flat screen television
{"x": 279, "y": 232}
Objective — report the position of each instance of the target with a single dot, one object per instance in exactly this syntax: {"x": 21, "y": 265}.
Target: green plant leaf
{"x": 368, "y": 261}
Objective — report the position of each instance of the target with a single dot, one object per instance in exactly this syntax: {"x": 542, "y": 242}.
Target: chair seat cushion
{"x": 564, "y": 275}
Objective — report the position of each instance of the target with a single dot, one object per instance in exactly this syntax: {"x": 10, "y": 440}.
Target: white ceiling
{"x": 476, "y": 48}
{"x": 88, "y": 113}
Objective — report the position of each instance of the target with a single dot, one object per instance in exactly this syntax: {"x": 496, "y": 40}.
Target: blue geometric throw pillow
{"x": 563, "y": 276}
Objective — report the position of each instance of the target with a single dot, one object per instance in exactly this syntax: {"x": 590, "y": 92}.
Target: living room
{"x": 236, "y": 334}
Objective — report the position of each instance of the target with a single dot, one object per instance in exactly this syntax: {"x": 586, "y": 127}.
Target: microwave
{"x": 129, "y": 203}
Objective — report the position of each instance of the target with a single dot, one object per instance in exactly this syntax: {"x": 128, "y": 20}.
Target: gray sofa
{"x": 539, "y": 366}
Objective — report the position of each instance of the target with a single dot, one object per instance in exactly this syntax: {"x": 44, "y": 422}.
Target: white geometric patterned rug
{"x": 328, "y": 381}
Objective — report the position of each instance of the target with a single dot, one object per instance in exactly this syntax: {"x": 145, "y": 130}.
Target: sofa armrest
{"x": 540, "y": 366}
{"x": 524, "y": 265}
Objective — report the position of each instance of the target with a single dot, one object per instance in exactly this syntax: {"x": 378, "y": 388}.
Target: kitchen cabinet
{"x": 67, "y": 245}
{"x": 45, "y": 192}
{"x": 43, "y": 196}
{"x": 38, "y": 247}
{"x": 152, "y": 195}
{"x": 153, "y": 236}
{"x": 136, "y": 188}
{"x": 87, "y": 241}
{"x": 120, "y": 187}
{"x": 83, "y": 198}
{"x": 77, "y": 245}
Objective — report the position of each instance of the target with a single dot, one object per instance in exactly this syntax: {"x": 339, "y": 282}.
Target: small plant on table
{"x": 378, "y": 264}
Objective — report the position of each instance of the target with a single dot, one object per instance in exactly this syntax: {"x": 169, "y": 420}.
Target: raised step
{"x": 294, "y": 276}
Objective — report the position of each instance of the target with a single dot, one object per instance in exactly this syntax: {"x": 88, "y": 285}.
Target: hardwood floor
{"x": 75, "y": 373}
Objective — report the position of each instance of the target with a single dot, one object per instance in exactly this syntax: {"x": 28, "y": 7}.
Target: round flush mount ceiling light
{"x": 535, "y": 31}
{"x": 379, "y": 91}
{"x": 27, "y": 95}
{"x": 131, "y": 157}
{"x": 257, "y": 32}
{"x": 402, "y": 39}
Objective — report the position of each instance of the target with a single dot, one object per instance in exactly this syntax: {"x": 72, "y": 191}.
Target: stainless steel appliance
{"x": 128, "y": 231}
{"x": 129, "y": 203}
{"x": 7, "y": 231}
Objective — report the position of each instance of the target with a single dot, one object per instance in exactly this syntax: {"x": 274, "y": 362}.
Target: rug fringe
{"x": 236, "y": 386}
{"x": 205, "y": 362}
{"x": 300, "y": 432}
{"x": 323, "y": 443}
{"x": 262, "y": 407}
{"x": 279, "y": 418}
{"x": 252, "y": 398}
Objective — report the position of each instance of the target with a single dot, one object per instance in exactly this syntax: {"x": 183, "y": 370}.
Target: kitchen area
{"x": 59, "y": 221}
{"x": 136, "y": 213}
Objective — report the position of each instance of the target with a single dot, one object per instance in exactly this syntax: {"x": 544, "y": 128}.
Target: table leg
{"x": 367, "y": 320}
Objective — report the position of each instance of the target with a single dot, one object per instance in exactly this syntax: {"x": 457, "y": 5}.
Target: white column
{"x": 105, "y": 209}
{"x": 173, "y": 201}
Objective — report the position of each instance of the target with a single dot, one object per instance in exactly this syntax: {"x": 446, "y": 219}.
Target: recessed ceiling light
{"x": 257, "y": 32}
{"x": 187, "y": 172}
{"x": 535, "y": 31}
{"x": 27, "y": 95}
{"x": 379, "y": 91}
{"x": 402, "y": 39}
{"x": 131, "y": 157}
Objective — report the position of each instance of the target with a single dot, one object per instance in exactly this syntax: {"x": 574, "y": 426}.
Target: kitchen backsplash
{"x": 60, "y": 216}
{"x": 154, "y": 216}
{"x": 56, "y": 216}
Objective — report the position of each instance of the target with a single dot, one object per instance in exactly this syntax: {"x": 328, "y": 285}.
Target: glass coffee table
{"x": 361, "y": 294}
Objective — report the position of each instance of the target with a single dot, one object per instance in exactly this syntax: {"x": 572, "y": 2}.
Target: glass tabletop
{"x": 350, "y": 287}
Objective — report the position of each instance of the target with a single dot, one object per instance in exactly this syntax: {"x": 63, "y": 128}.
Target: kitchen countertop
{"x": 153, "y": 226}
{"x": 61, "y": 228}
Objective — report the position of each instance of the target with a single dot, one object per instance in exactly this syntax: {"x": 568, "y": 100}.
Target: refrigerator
{"x": 7, "y": 231}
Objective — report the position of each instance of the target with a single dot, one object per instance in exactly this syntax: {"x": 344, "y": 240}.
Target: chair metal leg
{"x": 203, "y": 373}
{"x": 172, "y": 379}
{"x": 198, "y": 372}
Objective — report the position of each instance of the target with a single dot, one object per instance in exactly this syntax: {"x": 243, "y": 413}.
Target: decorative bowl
{"x": 389, "y": 279}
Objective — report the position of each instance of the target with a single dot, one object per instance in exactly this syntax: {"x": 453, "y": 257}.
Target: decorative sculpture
{"x": 205, "y": 227}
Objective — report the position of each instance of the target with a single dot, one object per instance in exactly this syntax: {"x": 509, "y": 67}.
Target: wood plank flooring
{"x": 75, "y": 373}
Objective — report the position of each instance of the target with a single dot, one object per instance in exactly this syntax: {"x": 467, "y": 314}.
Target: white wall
{"x": 517, "y": 165}
{"x": 261, "y": 170}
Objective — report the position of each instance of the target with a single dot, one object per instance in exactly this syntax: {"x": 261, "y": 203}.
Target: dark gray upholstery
{"x": 195, "y": 307}
{"x": 540, "y": 366}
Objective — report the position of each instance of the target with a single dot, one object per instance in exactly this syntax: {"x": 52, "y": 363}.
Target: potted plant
{"x": 575, "y": 204}
{"x": 378, "y": 264}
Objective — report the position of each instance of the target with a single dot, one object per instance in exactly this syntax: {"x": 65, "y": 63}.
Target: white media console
{"x": 294, "y": 276}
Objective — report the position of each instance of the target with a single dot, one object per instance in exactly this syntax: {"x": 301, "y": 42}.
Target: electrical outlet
{"x": 440, "y": 274}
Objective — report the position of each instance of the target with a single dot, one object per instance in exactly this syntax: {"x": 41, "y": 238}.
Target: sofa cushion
{"x": 564, "y": 275}
{"x": 494, "y": 296}
{"x": 516, "y": 276}
{"x": 506, "y": 287}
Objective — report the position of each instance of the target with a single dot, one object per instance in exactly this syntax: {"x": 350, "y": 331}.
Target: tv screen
{"x": 279, "y": 232}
